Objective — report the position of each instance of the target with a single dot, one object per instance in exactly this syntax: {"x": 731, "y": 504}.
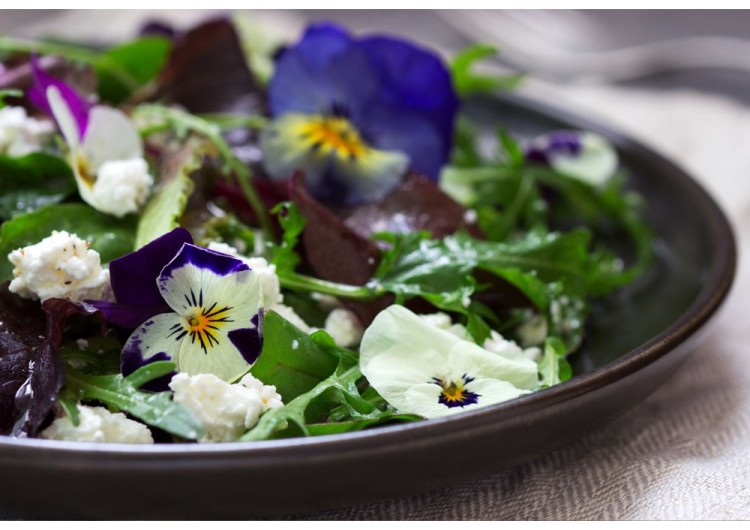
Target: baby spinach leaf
{"x": 154, "y": 409}
{"x": 141, "y": 59}
{"x": 33, "y": 181}
{"x": 109, "y": 236}
{"x": 291, "y": 360}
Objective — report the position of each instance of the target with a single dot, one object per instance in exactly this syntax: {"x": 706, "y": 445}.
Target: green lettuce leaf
{"x": 109, "y": 236}
{"x": 33, "y": 181}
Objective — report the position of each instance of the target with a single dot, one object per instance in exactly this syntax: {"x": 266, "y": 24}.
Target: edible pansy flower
{"x": 355, "y": 114}
{"x": 422, "y": 369}
{"x": 583, "y": 155}
{"x": 202, "y": 309}
{"x": 106, "y": 153}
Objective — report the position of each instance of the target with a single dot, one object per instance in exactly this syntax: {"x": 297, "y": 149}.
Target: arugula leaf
{"x": 140, "y": 59}
{"x": 291, "y": 360}
{"x": 553, "y": 366}
{"x": 339, "y": 391}
{"x": 33, "y": 181}
{"x": 154, "y": 409}
{"x": 468, "y": 83}
{"x": 292, "y": 223}
{"x": 109, "y": 236}
{"x": 166, "y": 206}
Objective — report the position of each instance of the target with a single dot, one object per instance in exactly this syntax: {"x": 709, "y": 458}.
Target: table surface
{"x": 680, "y": 454}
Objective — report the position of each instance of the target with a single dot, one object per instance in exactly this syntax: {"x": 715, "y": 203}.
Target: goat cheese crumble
{"x": 122, "y": 186}
{"x": 225, "y": 410}
{"x": 344, "y": 327}
{"x": 21, "y": 134}
{"x": 97, "y": 424}
{"x": 59, "y": 266}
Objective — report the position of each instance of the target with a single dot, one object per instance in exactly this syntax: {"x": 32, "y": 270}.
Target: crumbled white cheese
{"x": 496, "y": 343}
{"x": 533, "y": 331}
{"x": 443, "y": 321}
{"x": 269, "y": 281}
{"x": 291, "y": 315}
{"x": 59, "y": 266}
{"x": 437, "y": 320}
{"x": 344, "y": 327}
{"x": 470, "y": 217}
{"x": 20, "y": 134}
{"x": 97, "y": 424}
{"x": 225, "y": 410}
{"x": 122, "y": 186}
{"x": 82, "y": 344}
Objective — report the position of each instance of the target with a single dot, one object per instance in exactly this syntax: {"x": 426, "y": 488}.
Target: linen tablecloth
{"x": 680, "y": 454}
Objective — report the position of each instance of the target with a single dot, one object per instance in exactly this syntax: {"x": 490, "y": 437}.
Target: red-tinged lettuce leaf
{"x": 206, "y": 72}
{"x": 417, "y": 204}
{"x": 336, "y": 252}
{"x": 31, "y": 369}
{"x": 22, "y": 337}
{"x": 338, "y": 246}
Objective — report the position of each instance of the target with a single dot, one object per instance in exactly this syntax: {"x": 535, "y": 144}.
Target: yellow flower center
{"x": 333, "y": 133}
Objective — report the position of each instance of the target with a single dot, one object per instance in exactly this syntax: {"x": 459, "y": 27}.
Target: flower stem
{"x": 300, "y": 282}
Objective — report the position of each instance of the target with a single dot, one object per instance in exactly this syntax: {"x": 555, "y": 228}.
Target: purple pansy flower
{"x": 583, "y": 155}
{"x": 356, "y": 114}
{"x": 199, "y": 308}
{"x": 106, "y": 152}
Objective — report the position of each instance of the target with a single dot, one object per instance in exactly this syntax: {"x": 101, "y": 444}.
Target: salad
{"x": 210, "y": 238}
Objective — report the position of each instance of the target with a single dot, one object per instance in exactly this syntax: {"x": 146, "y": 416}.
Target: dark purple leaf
{"x": 207, "y": 72}
{"x": 416, "y": 204}
{"x": 22, "y": 337}
{"x": 31, "y": 371}
{"x": 336, "y": 252}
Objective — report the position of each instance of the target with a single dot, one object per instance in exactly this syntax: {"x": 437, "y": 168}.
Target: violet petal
{"x": 37, "y": 94}
{"x": 216, "y": 262}
{"x": 134, "y": 276}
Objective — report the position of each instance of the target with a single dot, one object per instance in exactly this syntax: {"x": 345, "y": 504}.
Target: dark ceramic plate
{"x": 636, "y": 341}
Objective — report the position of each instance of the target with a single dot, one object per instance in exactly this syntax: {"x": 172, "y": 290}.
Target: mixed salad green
{"x": 212, "y": 240}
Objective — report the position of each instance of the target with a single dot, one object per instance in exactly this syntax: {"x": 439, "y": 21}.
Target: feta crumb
{"x": 291, "y": 315}
{"x": 59, "y": 266}
{"x": 326, "y": 301}
{"x": 225, "y": 410}
{"x": 295, "y": 344}
{"x": 533, "y": 331}
{"x": 82, "y": 344}
{"x": 269, "y": 281}
{"x": 344, "y": 327}
{"x": 437, "y": 320}
{"x": 21, "y": 134}
{"x": 496, "y": 343}
{"x": 122, "y": 186}
{"x": 97, "y": 424}
{"x": 443, "y": 321}
{"x": 470, "y": 217}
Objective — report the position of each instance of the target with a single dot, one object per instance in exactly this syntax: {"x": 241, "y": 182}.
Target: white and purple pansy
{"x": 583, "y": 155}
{"x": 422, "y": 369}
{"x": 201, "y": 309}
{"x": 105, "y": 150}
{"x": 356, "y": 113}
